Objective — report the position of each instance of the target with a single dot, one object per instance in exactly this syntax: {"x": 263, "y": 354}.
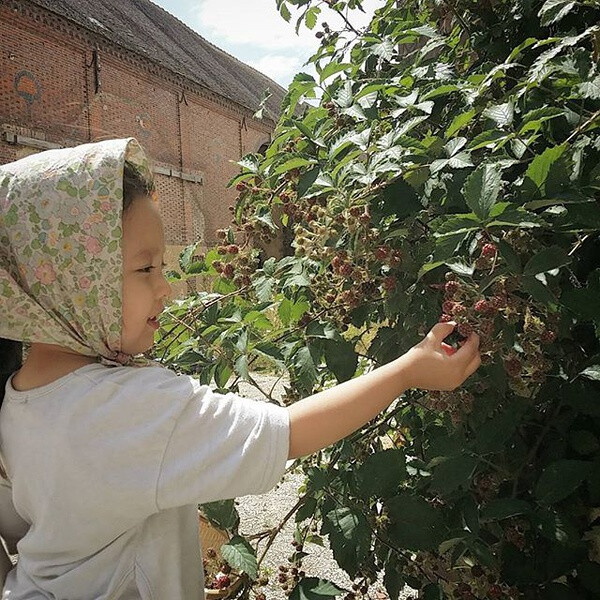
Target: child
{"x": 108, "y": 454}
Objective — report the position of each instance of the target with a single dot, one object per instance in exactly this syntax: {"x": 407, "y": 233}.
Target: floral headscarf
{"x": 60, "y": 248}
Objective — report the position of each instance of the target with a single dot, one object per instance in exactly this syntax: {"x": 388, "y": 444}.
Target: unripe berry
{"x": 512, "y": 366}
{"x": 228, "y": 270}
{"x": 445, "y": 318}
{"x": 222, "y": 250}
{"x": 232, "y": 249}
{"x": 222, "y": 582}
{"x": 241, "y": 186}
{"x": 465, "y": 329}
{"x": 448, "y": 306}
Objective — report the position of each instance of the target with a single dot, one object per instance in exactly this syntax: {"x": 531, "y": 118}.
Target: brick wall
{"x": 61, "y": 84}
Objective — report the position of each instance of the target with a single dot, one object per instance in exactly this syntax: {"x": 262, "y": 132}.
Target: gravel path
{"x": 258, "y": 513}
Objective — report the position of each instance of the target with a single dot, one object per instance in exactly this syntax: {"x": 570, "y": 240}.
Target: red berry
{"x": 495, "y": 591}
{"x": 355, "y": 211}
{"x": 465, "y": 329}
{"x": 452, "y": 287}
{"x": 512, "y": 366}
{"x": 445, "y": 318}
{"x": 228, "y": 270}
{"x": 241, "y": 186}
{"x": 382, "y": 252}
{"x": 389, "y": 283}
{"x": 448, "y": 306}
{"x": 346, "y": 270}
{"x": 482, "y": 306}
{"x": 396, "y": 258}
{"x": 548, "y": 336}
{"x": 232, "y": 249}
{"x": 222, "y": 582}
{"x": 488, "y": 250}
{"x": 218, "y": 265}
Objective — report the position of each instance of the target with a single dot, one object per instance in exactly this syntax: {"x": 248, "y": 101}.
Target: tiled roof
{"x": 148, "y": 30}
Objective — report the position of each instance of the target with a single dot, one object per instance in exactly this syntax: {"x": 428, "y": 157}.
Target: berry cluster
{"x": 457, "y": 404}
{"x": 492, "y": 316}
{"x": 240, "y": 262}
{"x": 462, "y": 580}
{"x": 217, "y": 572}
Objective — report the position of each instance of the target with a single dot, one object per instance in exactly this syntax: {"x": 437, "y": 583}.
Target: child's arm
{"x": 330, "y": 415}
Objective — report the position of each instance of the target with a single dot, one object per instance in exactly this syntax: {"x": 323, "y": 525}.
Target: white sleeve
{"x": 222, "y": 446}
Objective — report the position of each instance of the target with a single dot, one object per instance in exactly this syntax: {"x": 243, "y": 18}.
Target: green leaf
{"x": 415, "y": 524}
{"x": 481, "y": 189}
{"x": 453, "y": 473}
{"x": 323, "y": 329}
{"x": 561, "y": 479}
{"x": 495, "y": 432}
{"x": 501, "y": 114}
{"x": 223, "y": 372}
{"x": 222, "y": 514}
{"x": 240, "y": 555}
{"x": 547, "y": 260}
{"x": 504, "y": 508}
{"x": 381, "y": 474}
{"x": 341, "y": 359}
{"x": 311, "y": 17}
{"x": 538, "y": 171}
{"x": 589, "y": 89}
{"x": 459, "y": 122}
{"x": 349, "y": 537}
{"x": 592, "y": 372}
{"x": 554, "y": 10}
{"x": 311, "y": 588}
{"x": 290, "y": 312}
{"x": 305, "y": 368}
{"x": 306, "y": 180}
{"x": 292, "y": 163}
{"x": 332, "y": 68}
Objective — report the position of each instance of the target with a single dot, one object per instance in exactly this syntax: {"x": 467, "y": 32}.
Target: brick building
{"x": 73, "y": 71}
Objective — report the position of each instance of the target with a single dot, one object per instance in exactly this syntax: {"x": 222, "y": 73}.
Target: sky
{"x": 254, "y": 32}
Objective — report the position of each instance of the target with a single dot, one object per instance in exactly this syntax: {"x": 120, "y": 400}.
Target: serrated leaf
{"x": 504, "y": 508}
{"x": 341, "y": 359}
{"x": 381, "y": 474}
{"x": 547, "y": 260}
{"x": 452, "y": 473}
{"x": 459, "y": 122}
{"x": 589, "y": 89}
{"x": 240, "y": 555}
{"x": 481, "y": 189}
{"x": 305, "y": 368}
{"x": 502, "y": 114}
{"x": 310, "y": 19}
{"x": 311, "y": 588}
{"x": 554, "y": 10}
{"x": 561, "y": 479}
{"x": 349, "y": 537}
{"x": 222, "y": 514}
{"x": 539, "y": 169}
{"x": 414, "y": 523}
{"x": 384, "y": 49}
{"x": 592, "y": 373}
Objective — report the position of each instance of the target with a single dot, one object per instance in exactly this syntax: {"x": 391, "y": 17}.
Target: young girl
{"x": 106, "y": 454}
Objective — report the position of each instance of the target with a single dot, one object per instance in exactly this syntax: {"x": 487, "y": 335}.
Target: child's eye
{"x": 148, "y": 269}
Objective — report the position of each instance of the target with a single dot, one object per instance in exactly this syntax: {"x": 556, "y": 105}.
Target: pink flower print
{"x": 84, "y": 283}
{"x": 75, "y": 211}
{"x": 105, "y": 206}
{"x": 45, "y": 273}
{"x": 92, "y": 245}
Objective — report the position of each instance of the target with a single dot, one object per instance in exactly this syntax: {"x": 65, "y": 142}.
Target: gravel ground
{"x": 258, "y": 513}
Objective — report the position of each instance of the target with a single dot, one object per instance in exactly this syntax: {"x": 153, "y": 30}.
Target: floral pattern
{"x": 60, "y": 248}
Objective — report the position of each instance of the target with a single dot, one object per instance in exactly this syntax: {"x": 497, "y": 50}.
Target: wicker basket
{"x": 211, "y": 537}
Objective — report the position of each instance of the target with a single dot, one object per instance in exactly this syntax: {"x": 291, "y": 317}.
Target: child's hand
{"x": 434, "y": 365}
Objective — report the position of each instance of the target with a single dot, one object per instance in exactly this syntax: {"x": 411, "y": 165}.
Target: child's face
{"x": 145, "y": 289}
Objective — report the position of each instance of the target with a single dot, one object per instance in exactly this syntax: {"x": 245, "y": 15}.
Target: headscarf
{"x": 61, "y": 268}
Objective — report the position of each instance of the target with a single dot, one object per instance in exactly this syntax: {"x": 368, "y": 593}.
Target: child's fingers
{"x": 473, "y": 366}
{"x": 448, "y": 349}
{"x": 440, "y": 331}
{"x": 468, "y": 350}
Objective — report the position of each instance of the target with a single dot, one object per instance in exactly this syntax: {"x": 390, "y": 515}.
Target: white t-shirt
{"x": 108, "y": 465}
